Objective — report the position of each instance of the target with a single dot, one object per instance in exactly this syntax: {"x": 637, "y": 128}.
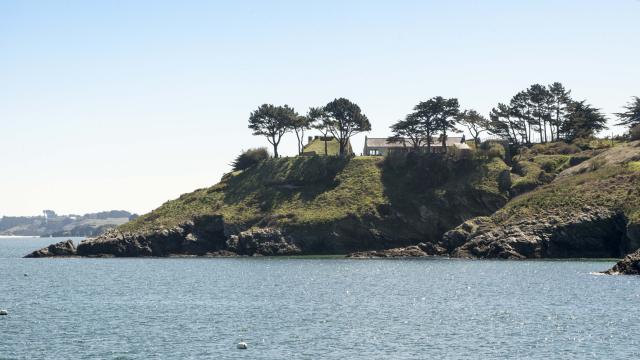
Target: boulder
{"x": 402, "y": 252}
{"x": 63, "y": 248}
{"x": 630, "y": 265}
{"x": 261, "y": 241}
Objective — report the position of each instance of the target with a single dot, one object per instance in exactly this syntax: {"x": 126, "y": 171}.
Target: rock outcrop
{"x": 630, "y": 265}
{"x": 420, "y": 250}
{"x": 589, "y": 232}
{"x": 265, "y": 241}
{"x": 204, "y": 235}
{"x": 63, "y": 248}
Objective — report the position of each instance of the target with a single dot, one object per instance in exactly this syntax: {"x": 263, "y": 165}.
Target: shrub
{"x": 249, "y": 158}
{"x": 634, "y": 133}
{"x": 492, "y": 149}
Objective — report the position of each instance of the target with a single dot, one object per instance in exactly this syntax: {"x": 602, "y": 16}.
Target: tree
{"x": 345, "y": 119}
{"x": 583, "y": 121}
{"x": 446, "y": 111}
{"x": 272, "y": 122}
{"x": 318, "y": 119}
{"x": 520, "y": 109}
{"x": 560, "y": 98}
{"x": 540, "y": 99}
{"x": 299, "y": 124}
{"x": 411, "y": 127}
{"x": 475, "y": 123}
{"x": 631, "y": 117}
{"x": 426, "y": 112}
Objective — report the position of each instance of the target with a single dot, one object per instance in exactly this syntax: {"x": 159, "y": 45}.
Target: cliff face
{"x": 589, "y": 210}
{"x": 316, "y": 205}
{"x": 585, "y": 204}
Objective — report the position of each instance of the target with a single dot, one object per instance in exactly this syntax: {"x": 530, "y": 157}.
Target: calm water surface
{"x": 312, "y": 308}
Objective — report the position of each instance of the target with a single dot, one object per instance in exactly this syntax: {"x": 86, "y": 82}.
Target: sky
{"x": 127, "y": 104}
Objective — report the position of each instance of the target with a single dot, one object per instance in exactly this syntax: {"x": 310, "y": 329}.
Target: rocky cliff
{"x": 317, "y": 205}
{"x": 588, "y": 210}
{"x": 582, "y": 204}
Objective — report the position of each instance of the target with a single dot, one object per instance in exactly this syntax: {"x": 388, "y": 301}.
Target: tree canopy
{"x": 583, "y": 121}
{"x": 546, "y": 112}
{"x": 475, "y": 124}
{"x": 411, "y": 127}
{"x": 630, "y": 117}
{"x": 272, "y": 122}
{"x": 343, "y": 120}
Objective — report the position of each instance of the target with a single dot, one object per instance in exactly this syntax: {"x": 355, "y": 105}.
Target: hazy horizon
{"x": 125, "y": 105}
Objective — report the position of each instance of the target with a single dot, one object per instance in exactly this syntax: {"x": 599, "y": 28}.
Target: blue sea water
{"x": 301, "y": 308}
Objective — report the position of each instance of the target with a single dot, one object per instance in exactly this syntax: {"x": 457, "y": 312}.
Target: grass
{"x": 310, "y": 190}
{"x": 634, "y": 166}
{"x": 611, "y": 186}
{"x": 317, "y": 146}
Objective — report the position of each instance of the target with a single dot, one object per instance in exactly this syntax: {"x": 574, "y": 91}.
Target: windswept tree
{"x": 446, "y": 111}
{"x": 411, "y": 127}
{"x": 631, "y": 117}
{"x": 583, "y": 121}
{"x": 560, "y": 98}
{"x": 540, "y": 99}
{"x": 475, "y": 124}
{"x": 299, "y": 124}
{"x": 520, "y": 108}
{"x": 272, "y": 122}
{"x": 503, "y": 124}
{"x": 426, "y": 113}
{"x": 319, "y": 121}
{"x": 345, "y": 119}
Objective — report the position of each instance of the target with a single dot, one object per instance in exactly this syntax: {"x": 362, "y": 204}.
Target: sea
{"x": 312, "y": 308}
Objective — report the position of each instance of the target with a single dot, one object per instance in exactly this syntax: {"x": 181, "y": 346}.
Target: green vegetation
{"x": 250, "y": 158}
{"x": 317, "y": 146}
{"x": 603, "y": 181}
{"x": 320, "y": 190}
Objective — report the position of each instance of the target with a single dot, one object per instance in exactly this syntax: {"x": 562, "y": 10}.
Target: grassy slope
{"x": 315, "y": 190}
{"x": 317, "y": 145}
{"x": 600, "y": 182}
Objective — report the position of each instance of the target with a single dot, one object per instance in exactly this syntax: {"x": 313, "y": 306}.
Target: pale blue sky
{"x": 126, "y": 104}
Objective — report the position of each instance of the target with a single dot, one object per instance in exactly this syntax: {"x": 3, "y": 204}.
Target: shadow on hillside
{"x": 430, "y": 191}
{"x": 277, "y": 181}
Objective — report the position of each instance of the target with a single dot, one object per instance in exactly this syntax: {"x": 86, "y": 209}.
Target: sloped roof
{"x": 435, "y": 142}
{"x": 317, "y": 146}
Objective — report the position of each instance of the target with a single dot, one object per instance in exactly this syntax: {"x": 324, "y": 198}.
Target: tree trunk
{"x": 275, "y": 150}
{"x": 444, "y": 140}
{"x": 326, "y": 151}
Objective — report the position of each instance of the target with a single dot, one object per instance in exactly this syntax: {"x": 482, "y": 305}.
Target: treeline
{"x": 537, "y": 114}
{"x": 341, "y": 118}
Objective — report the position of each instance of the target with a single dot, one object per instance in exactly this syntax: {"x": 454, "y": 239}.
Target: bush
{"x": 249, "y": 158}
{"x": 492, "y": 149}
{"x": 634, "y": 133}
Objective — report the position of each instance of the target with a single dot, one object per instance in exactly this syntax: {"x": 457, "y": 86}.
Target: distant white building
{"x": 381, "y": 146}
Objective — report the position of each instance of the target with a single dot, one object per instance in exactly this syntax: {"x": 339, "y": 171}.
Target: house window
{"x": 375, "y": 152}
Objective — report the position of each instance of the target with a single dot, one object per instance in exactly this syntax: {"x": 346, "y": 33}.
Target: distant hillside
{"x": 52, "y": 224}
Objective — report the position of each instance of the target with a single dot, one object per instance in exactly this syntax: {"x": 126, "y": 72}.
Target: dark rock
{"x": 588, "y": 232}
{"x": 199, "y": 237}
{"x": 263, "y": 241}
{"x": 63, "y": 248}
{"x": 405, "y": 252}
{"x": 630, "y": 265}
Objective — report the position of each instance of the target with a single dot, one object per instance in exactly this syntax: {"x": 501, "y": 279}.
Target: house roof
{"x": 316, "y": 146}
{"x": 435, "y": 142}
